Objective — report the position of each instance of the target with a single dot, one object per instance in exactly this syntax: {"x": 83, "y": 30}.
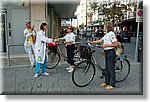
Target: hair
{"x": 109, "y": 26}
{"x": 42, "y": 26}
{"x": 70, "y": 27}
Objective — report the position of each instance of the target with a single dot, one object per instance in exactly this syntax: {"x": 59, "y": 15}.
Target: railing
{"x": 8, "y": 52}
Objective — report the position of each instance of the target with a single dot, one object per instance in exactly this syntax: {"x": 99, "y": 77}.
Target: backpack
{"x": 119, "y": 49}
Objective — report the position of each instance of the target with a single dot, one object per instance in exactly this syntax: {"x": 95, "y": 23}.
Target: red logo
{"x": 140, "y": 13}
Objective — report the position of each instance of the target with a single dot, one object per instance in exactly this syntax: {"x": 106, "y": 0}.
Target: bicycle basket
{"x": 85, "y": 52}
{"x": 52, "y": 47}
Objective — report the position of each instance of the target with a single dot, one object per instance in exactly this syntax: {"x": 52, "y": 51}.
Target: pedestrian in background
{"x": 40, "y": 50}
{"x": 109, "y": 43}
{"x": 29, "y": 43}
{"x": 70, "y": 46}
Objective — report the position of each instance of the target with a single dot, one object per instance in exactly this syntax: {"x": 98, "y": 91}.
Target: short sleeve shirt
{"x": 70, "y": 37}
{"x": 109, "y": 38}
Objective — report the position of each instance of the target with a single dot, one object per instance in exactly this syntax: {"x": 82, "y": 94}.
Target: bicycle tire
{"x": 53, "y": 59}
{"x": 120, "y": 72}
{"x": 78, "y": 75}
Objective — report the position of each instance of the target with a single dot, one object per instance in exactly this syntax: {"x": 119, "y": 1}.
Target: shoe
{"x": 104, "y": 85}
{"x": 68, "y": 68}
{"x": 32, "y": 66}
{"x": 109, "y": 87}
{"x": 71, "y": 70}
{"x": 36, "y": 75}
{"x": 45, "y": 73}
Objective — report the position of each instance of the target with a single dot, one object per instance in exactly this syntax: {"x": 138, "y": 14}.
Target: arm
{"x": 115, "y": 44}
{"x": 27, "y": 34}
{"x": 96, "y": 42}
{"x": 45, "y": 39}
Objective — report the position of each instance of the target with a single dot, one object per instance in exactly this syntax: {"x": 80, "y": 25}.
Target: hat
{"x": 70, "y": 27}
{"x": 27, "y": 22}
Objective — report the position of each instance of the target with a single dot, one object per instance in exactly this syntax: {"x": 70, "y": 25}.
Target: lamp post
{"x": 86, "y": 19}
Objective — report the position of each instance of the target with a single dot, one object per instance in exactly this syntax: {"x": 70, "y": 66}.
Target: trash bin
{"x": 140, "y": 54}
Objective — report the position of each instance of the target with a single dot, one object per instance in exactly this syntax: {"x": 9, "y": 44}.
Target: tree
{"x": 94, "y": 6}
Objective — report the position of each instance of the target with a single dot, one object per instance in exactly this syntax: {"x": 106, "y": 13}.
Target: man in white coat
{"x": 29, "y": 43}
{"x": 40, "y": 50}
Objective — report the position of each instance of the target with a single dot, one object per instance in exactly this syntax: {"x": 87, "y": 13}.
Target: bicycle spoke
{"x": 82, "y": 76}
{"x": 122, "y": 69}
{"x": 53, "y": 59}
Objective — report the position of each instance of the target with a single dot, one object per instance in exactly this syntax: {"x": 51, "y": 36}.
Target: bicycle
{"x": 55, "y": 54}
{"x": 84, "y": 75}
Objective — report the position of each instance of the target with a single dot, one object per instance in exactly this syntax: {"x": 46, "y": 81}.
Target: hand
{"x": 56, "y": 40}
{"x": 89, "y": 42}
{"x": 103, "y": 46}
{"x": 32, "y": 28}
{"x": 64, "y": 43}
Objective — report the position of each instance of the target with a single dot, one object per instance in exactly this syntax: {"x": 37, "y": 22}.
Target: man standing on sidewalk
{"x": 29, "y": 43}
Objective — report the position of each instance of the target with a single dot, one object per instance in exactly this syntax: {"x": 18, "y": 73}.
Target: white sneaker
{"x": 71, "y": 70}
{"x": 68, "y": 68}
{"x": 36, "y": 75}
{"x": 45, "y": 73}
{"x": 32, "y": 66}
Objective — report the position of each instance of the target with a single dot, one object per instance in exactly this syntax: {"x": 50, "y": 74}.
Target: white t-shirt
{"x": 109, "y": 38}
{"x": 70, "y": 37}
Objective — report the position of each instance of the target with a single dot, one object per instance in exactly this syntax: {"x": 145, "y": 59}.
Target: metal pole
{"x": 8, "y": 56}
{"x": 86, "y": 19}
{"x": 137, "y": 39}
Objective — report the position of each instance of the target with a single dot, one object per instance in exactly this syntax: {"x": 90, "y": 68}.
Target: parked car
{"x": 123, "y": 36}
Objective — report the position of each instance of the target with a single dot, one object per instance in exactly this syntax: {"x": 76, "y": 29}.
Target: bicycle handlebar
{"x": 93, "y": 46}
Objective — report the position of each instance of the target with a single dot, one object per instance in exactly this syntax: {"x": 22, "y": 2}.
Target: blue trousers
{"x": 38, "y": 65}
{"x": 110, "y": 77}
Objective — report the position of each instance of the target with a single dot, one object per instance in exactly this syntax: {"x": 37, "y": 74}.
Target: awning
{"x": 65, "y": 8}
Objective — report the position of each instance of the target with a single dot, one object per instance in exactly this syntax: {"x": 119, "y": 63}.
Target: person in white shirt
{"x": 70, "y": 46}
{"x": 109, "y": 43}
{"x": 40, "y": 50}
{"x": 29, "y": 43}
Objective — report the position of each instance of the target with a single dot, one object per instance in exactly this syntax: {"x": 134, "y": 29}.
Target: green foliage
{"x": 112, "y": 11}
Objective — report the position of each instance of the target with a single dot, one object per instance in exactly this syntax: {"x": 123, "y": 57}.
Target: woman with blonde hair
{"x": 109, "y": 43}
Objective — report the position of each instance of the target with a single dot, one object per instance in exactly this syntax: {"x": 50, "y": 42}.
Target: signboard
{"x": 139, "y": 15}
{"x": 65, "y": 22}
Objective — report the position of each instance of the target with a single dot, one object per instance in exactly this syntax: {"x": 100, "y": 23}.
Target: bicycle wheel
{"x": 53, "y": 59}
{"x": 122, "y": 70}
{"x": 82, "y": 76}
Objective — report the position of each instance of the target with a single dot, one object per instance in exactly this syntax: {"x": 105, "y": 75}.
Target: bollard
{"x": 139, "y": 54}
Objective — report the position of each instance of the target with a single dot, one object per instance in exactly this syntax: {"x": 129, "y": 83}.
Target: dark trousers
{"x": 70, "y": 53}
{"x": 110, "y": 77}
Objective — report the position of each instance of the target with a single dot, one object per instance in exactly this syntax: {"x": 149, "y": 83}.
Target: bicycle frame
{"x": 96, "y": 63}
{"x": 61, "y": 53}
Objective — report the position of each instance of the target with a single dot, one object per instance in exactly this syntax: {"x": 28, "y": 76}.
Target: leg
{"x": 68, "y": 54}
{"x": 44, "y": 65}
{"x": 31, "y": 56}
{"x": 107, "y": 75}
{"x": 71, "y": 54}
{"x": 111, "y": 67}
{"x": 37, "y": 70}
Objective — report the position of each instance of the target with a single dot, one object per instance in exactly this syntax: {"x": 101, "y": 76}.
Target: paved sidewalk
{"x": 19, "y": 78}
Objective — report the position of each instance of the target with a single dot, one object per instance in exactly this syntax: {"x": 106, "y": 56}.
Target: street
{"x": 20, "y": 79}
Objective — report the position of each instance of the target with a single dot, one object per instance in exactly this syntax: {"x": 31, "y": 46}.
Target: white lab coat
{"x": 40, "y": 46}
